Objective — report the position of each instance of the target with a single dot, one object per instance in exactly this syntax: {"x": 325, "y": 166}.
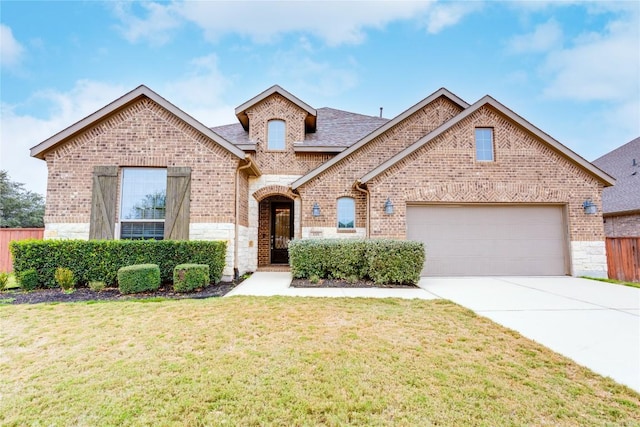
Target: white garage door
{"x": 465, "y": 240}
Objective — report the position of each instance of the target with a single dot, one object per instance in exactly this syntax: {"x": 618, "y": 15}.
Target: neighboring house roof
{"x": 336, "y": 130}
{"x": 487, "y": 100}
{"x": 379, "y": 131}
{"x": 623, "y": 164}
{"x": 41, "y": 149}
{"x": 310, "y": 120}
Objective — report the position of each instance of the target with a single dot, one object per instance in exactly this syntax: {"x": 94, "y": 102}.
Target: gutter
{"x": 363, "y": 189}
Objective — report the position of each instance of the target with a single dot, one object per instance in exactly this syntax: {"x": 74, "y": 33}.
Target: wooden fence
{"x": 9, "y": 234}
{"x": 623, "y": 258}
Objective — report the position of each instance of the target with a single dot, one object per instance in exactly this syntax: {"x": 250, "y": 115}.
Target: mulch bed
{"x": 335, "y": 283}
{"x": 110, "y": 294}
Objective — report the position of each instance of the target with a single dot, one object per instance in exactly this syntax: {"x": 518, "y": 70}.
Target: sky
{"x": 571, "y": 68}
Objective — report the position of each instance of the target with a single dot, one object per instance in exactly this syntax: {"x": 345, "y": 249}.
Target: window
{"x": 275, "y": 137}
{"x": 484, "y": 144}
{"x": 346, "y": 212}
{"x": 143, "y": 203}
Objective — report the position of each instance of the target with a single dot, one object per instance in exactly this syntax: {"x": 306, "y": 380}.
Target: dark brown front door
{"x": 281, "y": 231}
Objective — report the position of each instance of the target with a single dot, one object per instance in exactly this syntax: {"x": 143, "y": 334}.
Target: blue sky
{"x": 570, "y": 68}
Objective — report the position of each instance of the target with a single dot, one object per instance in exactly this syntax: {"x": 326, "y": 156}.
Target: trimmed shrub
{"x": 4, "y": 281}
{"x": 189, "y": 277}
{"x": 394, "y": 261}
{"x": 97, "y": 285}
{"x": 28, "y": 279}
{"x": 138, "y": 278}
{"x": 99, "y": 260}
{"x": 383, "y": 261}
{"x": 327, "y": 258}
{"x": 64, "y": 278}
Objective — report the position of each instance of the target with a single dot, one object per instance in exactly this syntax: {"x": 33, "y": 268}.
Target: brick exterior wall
{"x": 622, "y": 225}
{"x": 144, "y": 134}
{"x": 525, "y": 170}
{"x": 277, "y": 107}
{"x": 337, "y": 181}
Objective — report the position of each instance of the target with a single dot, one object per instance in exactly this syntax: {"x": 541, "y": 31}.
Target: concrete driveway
{"x": 594, "y": 323}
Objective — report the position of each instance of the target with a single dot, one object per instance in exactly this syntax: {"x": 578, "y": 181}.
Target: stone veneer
{"x": 589, "y": 259}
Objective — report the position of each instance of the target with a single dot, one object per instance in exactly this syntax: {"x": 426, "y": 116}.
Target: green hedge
{"x": 189, "y": 277}
{"x": 100, "y": 260}
{"x": 383, "y": 261}
{"x": 395, "y": 261}
{"x": 138, "y": 278}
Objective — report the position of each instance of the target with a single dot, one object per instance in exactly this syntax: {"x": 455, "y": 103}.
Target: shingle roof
{"x": 334, "y": 128}
{"x": 619, "y": 163}
{"x": 341, "y": 128}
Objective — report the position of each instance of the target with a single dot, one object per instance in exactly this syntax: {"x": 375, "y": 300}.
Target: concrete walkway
{"x": 277, "y": 283}
{"x": 594, "y": 323}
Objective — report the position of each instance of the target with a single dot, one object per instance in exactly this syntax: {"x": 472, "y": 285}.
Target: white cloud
{"x": 545, "y": 37}
{"x": 20, "y": 132}
{"x": 11, "y": 51}
{"x": 201, "y": 91}
{"x": 155, "y": 27}
{"x": 263, "y": 22}
{"x": 444, "y": 15}
{"x": 602, "y": 67}
{"x": 306, "y": 75}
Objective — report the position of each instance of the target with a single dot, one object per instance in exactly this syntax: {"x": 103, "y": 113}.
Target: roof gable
{"x": 41, "y": 149}
{"x": 310, "y": 121}
{"x": 488, "y": 100}
{"x": 379, "y": 131}
{"x": 623, "y": 164}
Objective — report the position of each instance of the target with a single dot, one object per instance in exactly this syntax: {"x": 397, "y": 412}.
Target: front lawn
{"x": 288, "y": 361}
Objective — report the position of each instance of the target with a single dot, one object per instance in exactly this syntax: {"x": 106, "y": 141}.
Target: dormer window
{"x": 275, "y": 135}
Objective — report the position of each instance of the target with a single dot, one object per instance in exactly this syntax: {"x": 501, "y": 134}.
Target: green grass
{"x": 617, "y": 282}
{"x": 288, "y": 361}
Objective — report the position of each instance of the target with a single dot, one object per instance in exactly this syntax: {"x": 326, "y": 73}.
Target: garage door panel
{"x": 489, "y": 240}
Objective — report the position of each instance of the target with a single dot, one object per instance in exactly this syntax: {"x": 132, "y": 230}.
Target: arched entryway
{"x": 275, "y": 230}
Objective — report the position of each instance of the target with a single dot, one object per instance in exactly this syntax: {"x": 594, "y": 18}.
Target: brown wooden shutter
{"x": 103, "y": 202}
{"x": 176, "y": 224}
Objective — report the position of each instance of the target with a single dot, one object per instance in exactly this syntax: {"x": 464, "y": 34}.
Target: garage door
{"x": 463, "y": 240}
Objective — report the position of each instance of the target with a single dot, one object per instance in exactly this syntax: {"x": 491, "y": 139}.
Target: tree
{"x": 18, "y": 206}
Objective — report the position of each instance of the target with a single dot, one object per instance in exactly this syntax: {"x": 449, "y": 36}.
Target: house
{"x": 488, "y": 192}
{"x": 621, "y": 203}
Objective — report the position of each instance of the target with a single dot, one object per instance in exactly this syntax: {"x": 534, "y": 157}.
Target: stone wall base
{"x": 589, "y": 259}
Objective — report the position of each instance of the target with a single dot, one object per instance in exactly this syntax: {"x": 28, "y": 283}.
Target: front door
{"x": 281, "y": 231}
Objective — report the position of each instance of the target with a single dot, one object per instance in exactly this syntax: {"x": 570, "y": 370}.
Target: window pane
{"x": 142, "y": 230}
{"x": 346, "y": 212}
{"x": 484, "y": 144}
{"x": 143, "y": 193}
{"x": 275, "y": 138}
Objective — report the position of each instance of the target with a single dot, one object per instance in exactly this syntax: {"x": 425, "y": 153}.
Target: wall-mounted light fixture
{"x": 315, "y": 210}
{"x": 589, "y": 207}
{"x": 388, "y": 207}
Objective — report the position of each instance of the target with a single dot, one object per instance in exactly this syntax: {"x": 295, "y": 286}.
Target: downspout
{"x": 236, "y": 271}
{"x": 363, "y": 189}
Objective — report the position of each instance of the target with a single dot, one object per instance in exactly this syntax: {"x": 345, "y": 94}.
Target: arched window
{"x": 275, "y": 135}
{"x": 346, "y": 212}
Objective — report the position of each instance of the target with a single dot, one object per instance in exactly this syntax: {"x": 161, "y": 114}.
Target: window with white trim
{"x": 346, "y": 213}
{"x": 484, "y": 144}
{"x": 276, "y": 135}
{"x": 143, "y": 203}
